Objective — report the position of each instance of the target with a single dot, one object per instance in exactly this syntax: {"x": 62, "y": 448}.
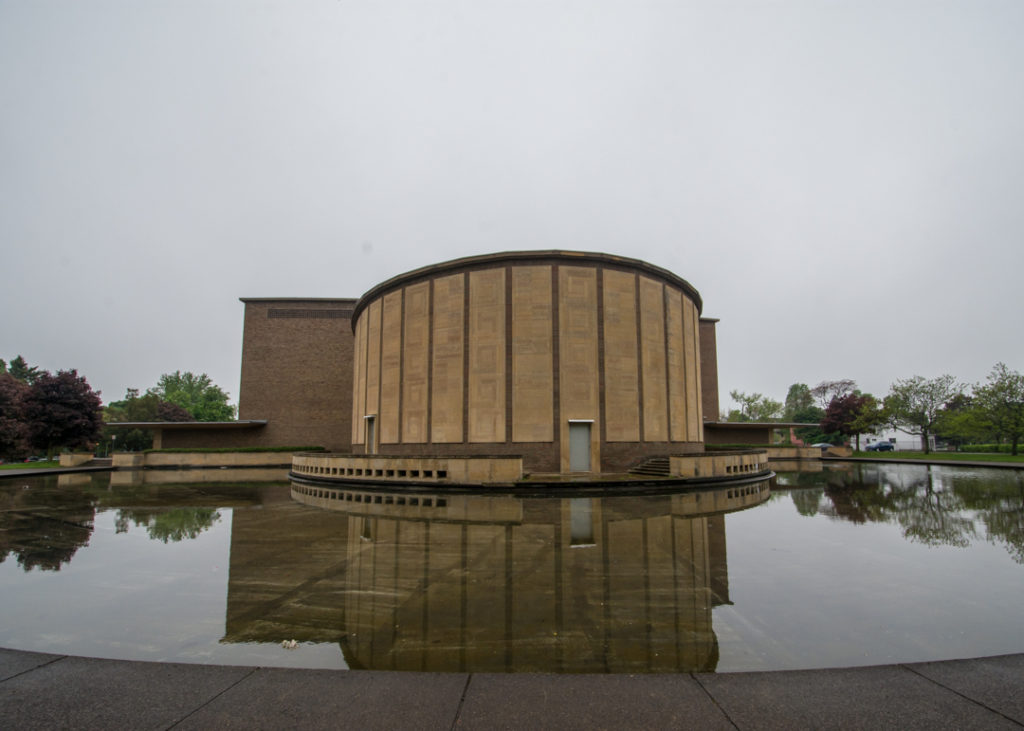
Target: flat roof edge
{"x": 757, "y": 424}
{"x": 345, "y": 300}
{"x": 242, "y": 424}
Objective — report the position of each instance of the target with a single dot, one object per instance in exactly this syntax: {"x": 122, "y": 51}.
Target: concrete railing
{"x": 785, "y": 453}
{"x": 76, "y": 459}
{"x": 725, "y": 464}
{"x": 365, "y": 468}
{"x": 182, "y": 460}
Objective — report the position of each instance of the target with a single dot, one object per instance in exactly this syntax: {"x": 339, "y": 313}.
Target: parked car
{"x": 880, "y": 447}
{"x": 823, "y": 445}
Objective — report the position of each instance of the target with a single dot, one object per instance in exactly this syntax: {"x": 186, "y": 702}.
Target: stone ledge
{"x": 389, "y": 468}
{"x": 182, "y": 460}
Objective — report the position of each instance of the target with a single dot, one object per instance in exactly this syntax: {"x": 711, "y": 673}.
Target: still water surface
{"x": 854, "y": 565}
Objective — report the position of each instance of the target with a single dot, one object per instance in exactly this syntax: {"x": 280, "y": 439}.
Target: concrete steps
{"x": 653, "y": 467}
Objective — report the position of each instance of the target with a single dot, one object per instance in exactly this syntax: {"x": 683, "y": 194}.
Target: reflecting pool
{"x": 853, "y": 564}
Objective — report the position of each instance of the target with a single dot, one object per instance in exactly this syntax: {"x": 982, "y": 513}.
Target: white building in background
{"x": 901, "y": 441}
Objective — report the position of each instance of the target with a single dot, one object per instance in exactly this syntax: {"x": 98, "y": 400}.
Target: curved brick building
{"x": 576, "y": 361}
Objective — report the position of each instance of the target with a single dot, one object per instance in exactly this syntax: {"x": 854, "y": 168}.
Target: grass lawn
{"x": 945, "y": 456}
{"x": 29, "y": 465}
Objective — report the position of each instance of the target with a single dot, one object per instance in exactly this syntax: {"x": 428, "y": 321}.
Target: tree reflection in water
{"x": 45, "y": 520}
{"x": 494, "y": 582}
{"x": 932, "y": 505}
{"x": 173, "y": 524}
{"x": 44, "y": 530}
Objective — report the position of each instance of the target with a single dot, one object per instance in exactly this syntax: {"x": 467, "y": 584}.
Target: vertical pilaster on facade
{"x": 692, "y": 358}
{"x": 373, "y": 337}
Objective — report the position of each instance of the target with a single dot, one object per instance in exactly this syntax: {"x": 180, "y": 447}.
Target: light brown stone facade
{"x": 510, "y": 354}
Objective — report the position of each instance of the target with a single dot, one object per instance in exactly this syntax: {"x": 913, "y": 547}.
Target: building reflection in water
{"x": 455, "y": 582}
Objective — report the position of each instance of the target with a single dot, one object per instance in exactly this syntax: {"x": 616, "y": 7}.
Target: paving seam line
{"x": 462, "y": 700}
{"x": 715, "y": 701}
{"x": 58, "y": 658}
{"x": 213, "y": 698}
{"x": 965, "y": 697}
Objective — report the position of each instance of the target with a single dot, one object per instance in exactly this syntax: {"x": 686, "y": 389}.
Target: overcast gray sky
{"x": 841, "y": 181}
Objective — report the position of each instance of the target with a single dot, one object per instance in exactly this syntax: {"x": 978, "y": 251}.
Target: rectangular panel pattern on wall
{"x": 652, "y": 344}
{"x": 694, "y": 427}
{"x": 676, "y": 344}
{"x": 416, "y": 369}
{"x": 447, "y": 378}
{"x": 532, "y": 374}
{"x": 373, "y": 358}
{"x": 697, "y": 378}
{"x": 621, "y": 383}
{"x": 390, "y": 368}
{"x": 359, "y": 381}
{"x": 577, "y": 347}
{"x": 487, "y": 356}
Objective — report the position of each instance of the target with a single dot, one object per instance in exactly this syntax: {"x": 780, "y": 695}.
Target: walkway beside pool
{"x": 56, "y": 691}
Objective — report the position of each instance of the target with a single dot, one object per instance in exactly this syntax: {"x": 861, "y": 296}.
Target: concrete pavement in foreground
{"x": 56, "y": 691}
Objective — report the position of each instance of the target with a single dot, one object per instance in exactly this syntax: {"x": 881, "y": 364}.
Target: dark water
{"x": 859, "y": 565}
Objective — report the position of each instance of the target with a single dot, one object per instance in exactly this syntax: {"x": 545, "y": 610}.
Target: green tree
{"x": 62, "y": 410}
{"x": 853, "y": 414}
{"x": 1001, "y": 403}
{"x": 914, "y": 405}
{"x": 802, "y": 408}
{"x": 198, "y": 395}
{"x": 870, "y": 417}
{"x": 145, "y": 408}
{"x": 148, "y": 407}
{"x": 754, "y": 407}
{"x": 798, "y": 399}
{"x": 23, "y": 371}
{"x": 961, "y": 420}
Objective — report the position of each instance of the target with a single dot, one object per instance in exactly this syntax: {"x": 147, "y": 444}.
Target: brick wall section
{"x": 296, "y": 373}
{"x": 212, "y": 438}
{"x": 724, "y": 434}
{"x": 709, "y": 368}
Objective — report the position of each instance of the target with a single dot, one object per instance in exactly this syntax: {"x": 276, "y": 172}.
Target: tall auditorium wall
{"x": 510, "y": 353}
